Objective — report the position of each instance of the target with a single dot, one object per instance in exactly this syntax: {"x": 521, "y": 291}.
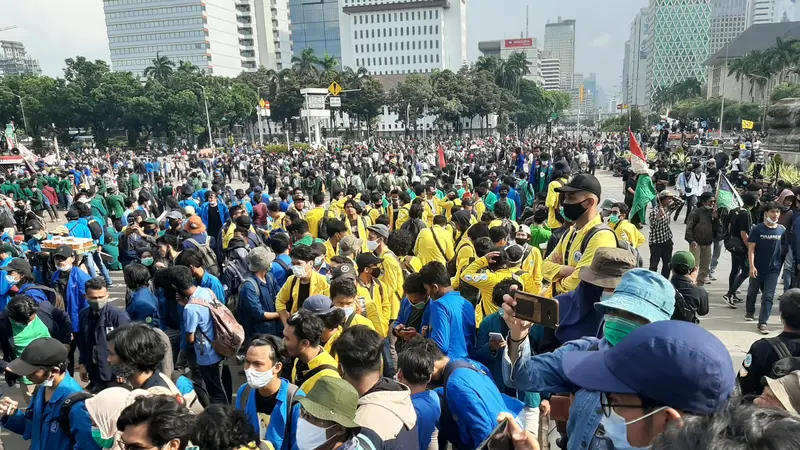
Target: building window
{"x": 401, "y": 31}
{"x": 402, "y": 47}
{"x": 437, "y": 29}
{"x": 355, "y": 34}
{"x": 437, "y": 44}
{"x": 413, "y": 45}
{"x": 415, "y": 59}
{"x": 390, "y": 32}
{"x": 426, "y": 59}
{"x": 437, "y": 13}
{"x": 373, "y": 33}
{"x": 406, "y": 15}
{"x": 383, "y": 18}
{"x": 424, "y": 14}
{"x": 437, "y": 57}
{"x": 403, "y": 59}
{"x": 372, "y": 18}
{"x": 361, "y": 33}
{"x": 413, "y": 31}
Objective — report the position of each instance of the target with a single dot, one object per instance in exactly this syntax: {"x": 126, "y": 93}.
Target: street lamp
{"x": 258, "y": 114}
{"x": 24, "y": 119}
{"x": 208, "y": 118}
{"x": 766, "y": 99}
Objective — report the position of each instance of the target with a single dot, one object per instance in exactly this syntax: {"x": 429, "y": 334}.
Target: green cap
{"x": 332, "y": 399}
{"x": 684, "y": 259}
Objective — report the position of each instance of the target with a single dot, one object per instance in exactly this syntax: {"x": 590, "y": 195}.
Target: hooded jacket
{"x": 387, "y": 410}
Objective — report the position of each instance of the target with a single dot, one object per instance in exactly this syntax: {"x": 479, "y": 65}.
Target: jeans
{"x": 661, "y": 252}
{"x": 715, "y": 256}
{"x": 93, "y": 261}
{"x": 788, "y": 270}
{"x": 702, "y": 254}
{"x": 766, "y": 282}
{"x": 212, "y": 378}
{"x": 67, "y": 201}
{"x": 739, "y": 272}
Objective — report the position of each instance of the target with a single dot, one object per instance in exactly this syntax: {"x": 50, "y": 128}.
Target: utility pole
{"x": 722, "y": 105}
{"x": 208, "y": 118}
{"x": 258, "y": 115}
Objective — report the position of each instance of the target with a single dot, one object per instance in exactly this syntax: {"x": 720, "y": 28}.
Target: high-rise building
{"x": 551, "y": 73}
{"x": 505, "y": 48}
{"x": 677, "y": 46}
{"x": 626, "y": 63}
{"x": 577, "y": 79}
{"x": 206, "y": 33}
{"x": 635, "y": 88}
{"x": 269, "y": 43}
{"x": 771, "y": 11}
{"x": 559, "y": 43}
{"x": 14, "y": 60}
{"x": 728, "y": 20}
{"x": 388, "y": 37}
{"x": 315, "y": 25}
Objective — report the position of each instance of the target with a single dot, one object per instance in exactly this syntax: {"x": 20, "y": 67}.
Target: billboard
{"x": 518, "y": 43}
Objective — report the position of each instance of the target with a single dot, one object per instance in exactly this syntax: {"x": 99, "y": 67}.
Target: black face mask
{"x": 521, "y": 241}
{"x": 574, "y": 211}
{"x": 376, "y": 272}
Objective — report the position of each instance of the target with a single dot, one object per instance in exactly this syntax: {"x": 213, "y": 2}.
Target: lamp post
{"x": 24, "y": 119}
{"x": 764, "y": 92}
{"x": 258, "y": 114}
{"x": 722, "y": 93}
{"x": 208, "y": 118}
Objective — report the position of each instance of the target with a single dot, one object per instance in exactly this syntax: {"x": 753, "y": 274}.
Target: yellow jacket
{"x": 552, "y": 202}
{"x": 362, "y": 223}
{"x": 290, "y": 290}
{"x": 477, "y": 275}
{"x": 431, "y": 207}
{"x": 402, "y": 216}
{"x": 573, "y": 257}
{"x": 447, "y": 205}
{"x": 533, "y": 265}
{"x": 426, "y": 248}
{"x": 393, "y": 279}
{"x": 464, "y": 254}
{"x": 330, "y": 251}
{"x": 314, "y": 217}
{"x": 628, "y": 232}
{"x": 380, "y": 295}
{"x": 324, "y": 358}
{"x": 358, "y": 319}
{"x": 479, "y": 208}
{"x": 370, "y": 312}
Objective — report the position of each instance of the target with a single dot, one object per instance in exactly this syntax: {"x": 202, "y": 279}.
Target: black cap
{"x": 364, "y": 260}
{"x": 32, "y": 227}
{"x": 42, "y": 353}
{"x": 583, "y": 182}
{"x": 343, "y": 270}
{"x": 20, "y": 266}
{"x": 65, "y": 251}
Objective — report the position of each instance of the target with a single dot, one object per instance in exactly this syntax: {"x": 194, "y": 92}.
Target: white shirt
{"x": 696, "y": 183}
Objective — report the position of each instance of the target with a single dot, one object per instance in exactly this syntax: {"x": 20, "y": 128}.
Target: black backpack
{"x": 53, "y": 296}
{"x": 96, "y": 229}
{"x": 63, "y": 413}
{"x": 683, "y": 310}
{"x": 322, "y": 233}
{"x": 787, "y": 363}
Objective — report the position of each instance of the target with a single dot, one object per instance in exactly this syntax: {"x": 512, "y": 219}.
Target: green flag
{"x": 645, "y": 193}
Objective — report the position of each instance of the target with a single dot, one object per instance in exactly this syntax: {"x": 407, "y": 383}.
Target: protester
{"x": 157, "y": 421}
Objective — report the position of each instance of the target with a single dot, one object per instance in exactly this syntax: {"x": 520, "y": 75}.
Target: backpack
{"x": 683, "y": 310}
{"x": 372, "y": 182}
{"x": 63, "y": 412}
{"x": 620, "y": 244}
{"x": 733, "y": 243}
{"x": 228, "y": 332}
{"x": 53, "y": 296}
{"x": 291, "y": 392}
{"x": 446, "y": 417}
{"x": 209, "y": 259}
{"x": 387, "y": 182}
{"x": 322, "y": 233}
{"x": 405, "y": 265}
{"x": 787, "y": 363}
{"x": 96, "y": 229}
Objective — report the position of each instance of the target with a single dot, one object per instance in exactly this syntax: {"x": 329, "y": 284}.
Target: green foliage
{"x": 623, "y": 122}
{"x": 784, "y": 90}
{"x": 666, "y": 96}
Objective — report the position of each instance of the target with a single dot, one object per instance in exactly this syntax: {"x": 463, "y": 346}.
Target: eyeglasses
{"x": 607, "y": 406}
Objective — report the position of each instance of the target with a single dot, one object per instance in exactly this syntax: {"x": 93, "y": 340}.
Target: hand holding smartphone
{"x": 537, "y": 309}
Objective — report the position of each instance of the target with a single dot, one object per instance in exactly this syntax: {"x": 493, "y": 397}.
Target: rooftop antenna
{"x": 527, "y": 21}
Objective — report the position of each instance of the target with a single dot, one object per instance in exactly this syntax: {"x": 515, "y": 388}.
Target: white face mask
{"x": 310, "y": 435}
{"x": 372, "y": 245}
{"x": 256, "y": 379}
{"x": 299, "y": 271}
{"x": 349, "y": 311}
{"x": 65, "y": 267}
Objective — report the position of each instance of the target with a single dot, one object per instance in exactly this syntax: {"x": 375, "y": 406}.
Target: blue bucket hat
{"x": 675, "y": 363}
{"x": 642, "y": 293}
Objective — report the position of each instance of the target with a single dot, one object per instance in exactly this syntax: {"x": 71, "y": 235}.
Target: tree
{"x": 410, "y": 98}
{"x": 161, "y": 68}
{"x": 306, "y": 66}
{"x": 328, "y": 72}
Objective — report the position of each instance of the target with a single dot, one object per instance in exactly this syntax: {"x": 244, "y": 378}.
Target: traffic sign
{"x": 335, "y": 88}
{"x": 335, "y": 102}
{"x": 553, "y": 116}
{"x": 263, "y": 104}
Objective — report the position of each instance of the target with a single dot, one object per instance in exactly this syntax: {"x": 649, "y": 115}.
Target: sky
{"x": 53, "y": 30}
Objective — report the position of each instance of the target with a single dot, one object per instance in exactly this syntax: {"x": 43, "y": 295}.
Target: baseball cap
{"x": 683, "y": 259}
{"x": 175, "y": 215}
{"x": 380, "y": 229}
{"x": 642, "y": 293}
{"x": 318, "y": 304}
{"x": 787, "y": 390}
{"x": 582, "y": 182}
{"x": 675, "y": 363}
{"x": 608, "y": 267}
{"x": 343, "y": 270}
{"x": 20, "y": 266}
{"x": 364, "y": 260}
{"x": 332, "y": 399}
{"x": 525, "y": 229}
{"x": 666, "y": 194}
{"x": 33, "y": 227}
{"x": 299, "y": 196}
{"x": 64, "y": 251}
{"x": 42, "y": 353}
{"x": 349, "y": 244}
{"x": 189, "y": 210}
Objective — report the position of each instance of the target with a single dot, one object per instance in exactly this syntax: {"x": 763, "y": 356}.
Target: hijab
{"x": 105, "y": 408}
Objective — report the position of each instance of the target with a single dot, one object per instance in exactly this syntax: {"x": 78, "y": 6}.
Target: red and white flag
{"x": 638, "y": 159}
{"x": 440, "y": 151}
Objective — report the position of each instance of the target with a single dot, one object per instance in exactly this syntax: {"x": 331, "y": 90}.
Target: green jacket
{"x": 64, "y": 186}
{"x": 135, "y": 182}
{"x": 99, "y": 209}
{"x": 116, "y": 205}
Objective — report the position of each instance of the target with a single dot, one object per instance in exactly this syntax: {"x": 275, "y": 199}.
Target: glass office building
{"x": 315, "y": 25}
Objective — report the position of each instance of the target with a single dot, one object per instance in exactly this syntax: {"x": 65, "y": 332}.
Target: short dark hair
{"x": 279, "y": 243}
{"x": 502, "y": 288}
{"x": 427, "y": 345}
{"x": 182, "y": 278}
{"x": 298, "y": 226}
{"x": 136, "y": 276}
{"x": 771, "y": 206}
{"x": 440, "y": 220}
{"x": 416, "y": 363}
{"x": 335, "y": 226}
{"x": 478, "y": 230}
{"x": 318, "y": 198}
{"x": 21, "y": 308}
{"x": 498, "y": 234}
{"x": 502, "y": 210}
{"x": 223, "y": 427}
{"x": 278, "y": 347}
{"x": 413, "y": 284}
{"x": 189, "y": 258}
{"x": 622, "y": 207}
{"x": 749, "y": 199}
{"x": 344, "y": 287}
{"x": 303, "y": 253}
{"x": 96, "y": 284}
{"x": 435, "y": 273}
{"x": 138, "y": 344}
{"x": 359, "y": 350}
{"x": 166, "y": 419}
{"x": 789, "y": 303}
{"x": 307, "y": 326}
{"x": 400, "y": 242}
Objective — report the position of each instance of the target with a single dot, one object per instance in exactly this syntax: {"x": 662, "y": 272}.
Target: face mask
{"x": 573, "y": 212}
{"x": 349, "y": 311}
{"x": 99, "y": 304}
{"x": 48, "y": 382}
{"x": 420, "y": 305}
{"x": 123, "y": 370}
{"x": 376, "y": 272}
{"x": 65, "y": 267}
{"x": 147, "y": 262}
{"x": 372, "y": 245}
{"x": 101, "y": 441}
{"x": 613, "y": 219}
{"x": 617, "y": 429}
{"x": 11, "y": 280}
{"x": 310, "y": 435}
{"x": 318, "y": 261}
{"x": 521, "y": 241}
{"x": 257, "y": 380}
{"x": 299, "y": 271}
{"x": 770, "y": 221}
{"x": 617, "y": 328}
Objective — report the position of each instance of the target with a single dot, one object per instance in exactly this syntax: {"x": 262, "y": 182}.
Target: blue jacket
{"x": 5, "y": 290}
{"x": 211, "y": 282}
{"x": 256, "y": 298}
{"x": 75, "y": 300}
{"x": 405, "y": 313}
{"x": 543, "y": 373}
{"x": 247, "y": 206}
{"x": 452, "y": 325}
{"x": 79, "y": 228}
{"x": 189, "y": 202}
{"x": 578, "y": 318}
{"x": 144, "y": 307}
{"x": 281, "y": 274}
{"x": 39, "y": 425}
{"x": 428, "y": 407}
{"x": 224, "y": 215}
{"x": 277, "y": 422}
{"x": 94, "y": 355}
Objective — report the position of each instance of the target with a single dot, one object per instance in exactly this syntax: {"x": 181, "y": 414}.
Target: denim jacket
{"x": 543, "y": 373}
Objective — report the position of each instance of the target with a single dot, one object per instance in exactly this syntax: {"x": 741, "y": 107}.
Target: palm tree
{"x": 161, "y": 68}
{"x": 306, "y": 65}
{"x": 187, "y": 67}
{"x": 514, "y": 69}
{"x": 783, "y": 56}
{"x": 327, "y": 65}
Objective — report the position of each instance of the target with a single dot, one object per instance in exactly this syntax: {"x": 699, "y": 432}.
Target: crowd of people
{"x": 367, "y": 294}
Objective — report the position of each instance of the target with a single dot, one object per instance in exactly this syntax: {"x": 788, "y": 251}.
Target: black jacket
{"x": 56, "y": 321}
{"x": 701, "y": 227}
{"x": 94, "y": 339}
{"x": 759, "y": 361}
{"x": 695, "y": 297}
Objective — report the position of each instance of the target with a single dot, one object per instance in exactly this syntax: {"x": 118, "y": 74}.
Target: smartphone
{"x": 498, "y": 440}
{"x": 537, "y": 309}
{"x": 496, "y": 337}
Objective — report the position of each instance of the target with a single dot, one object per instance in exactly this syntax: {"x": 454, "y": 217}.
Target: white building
{"x": 636, "y": 86}
{"x": 14, "y": 60}
{"x": 206, "y": 33}
{"x": 269, "y": 42}
{"x": 577, "y": 79}
{"x": 389, "y": 37}
{"x": 503, "y": 49}
{"x": 559, "y": 43}
{"x": 551, "y": 74}
{"x": 728, "y": 20}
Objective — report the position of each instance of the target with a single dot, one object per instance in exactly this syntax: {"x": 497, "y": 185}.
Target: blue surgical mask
{"x": 11, "y": 280}
{"x": 616, "y": 429}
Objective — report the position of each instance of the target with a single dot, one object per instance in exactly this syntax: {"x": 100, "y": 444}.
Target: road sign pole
{"x": 260, "y": 127}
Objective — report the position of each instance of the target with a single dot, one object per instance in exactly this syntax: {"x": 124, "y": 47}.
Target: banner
{"x": 727, "y": 197}
{"x": 440, "y": 151}
{"x": 747, "y": 124}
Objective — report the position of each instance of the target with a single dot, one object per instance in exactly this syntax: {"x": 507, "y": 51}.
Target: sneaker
{"x": 728, "y": 299}
{"x": 762, "y": 328}
{"x": 749, "y": 317}
{"x": 712, "y": 277}
{"x": 736, "y": 299}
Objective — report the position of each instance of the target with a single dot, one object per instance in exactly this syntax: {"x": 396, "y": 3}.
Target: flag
{"x": 727, "y": 197}
{"x": 645, "y": 193}
{"x": 638, "y": 160}
{"x": 747, "y": 124}
{"x": 440, "y": 151}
